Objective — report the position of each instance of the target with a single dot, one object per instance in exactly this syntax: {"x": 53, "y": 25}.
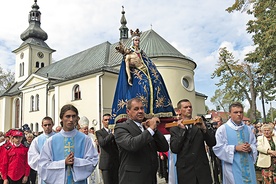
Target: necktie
{"x": 141, "y": 128}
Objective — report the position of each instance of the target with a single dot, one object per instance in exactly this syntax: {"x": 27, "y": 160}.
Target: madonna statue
{"x": 139, "y": 77}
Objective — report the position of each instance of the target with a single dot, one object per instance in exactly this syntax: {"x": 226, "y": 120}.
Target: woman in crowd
{"x": 267, "y": 154}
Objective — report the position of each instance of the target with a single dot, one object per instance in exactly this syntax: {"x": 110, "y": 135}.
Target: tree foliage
{"x": 6, "y": 79}
{"x": 237, "y": 82}
{"x": 271, "y": 115}
{"x": 263, "y": 30}
{"x": 222, "y": 100}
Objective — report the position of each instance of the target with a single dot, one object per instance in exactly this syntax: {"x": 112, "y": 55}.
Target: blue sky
{"x": 197, "y": 28}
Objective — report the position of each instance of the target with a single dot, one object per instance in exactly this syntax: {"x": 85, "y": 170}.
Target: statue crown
{"x": 135, "y": 33}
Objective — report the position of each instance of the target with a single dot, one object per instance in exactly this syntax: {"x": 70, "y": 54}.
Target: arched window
{"x": 76, "y": 92}
{"x": 36, "y": 127}
{"x": 20, "y": 70}
{"x": 37, "y": 64}
{"x": 32, "y": 127}
{"x": 17, "y": 112}
{"x": 37, "y": 102}
{"x": 22, "y": 73}
{"x": 42, "y": 65}
{"x": 32, "y": 103}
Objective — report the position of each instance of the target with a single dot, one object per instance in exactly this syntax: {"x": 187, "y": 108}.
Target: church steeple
{"x": 123, "y": 29}
{"x": 33, "y": 53}
{"x": 34, "y": 31}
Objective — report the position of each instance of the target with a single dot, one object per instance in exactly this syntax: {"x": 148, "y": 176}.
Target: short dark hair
{"x": 129, "y": 102}
{"x": 66, "y": 108}
{"x": 106, "y": 114}
{"x": 235, "y": 104}
{"x": 180, "y": 101}
{"x": 47, "y": 118}
{"x": 92, "y": 128}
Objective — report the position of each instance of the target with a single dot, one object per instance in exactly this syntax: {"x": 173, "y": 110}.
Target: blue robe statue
{"x": 148, "y": 85}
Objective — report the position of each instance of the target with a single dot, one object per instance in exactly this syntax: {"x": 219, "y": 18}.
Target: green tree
{"x": 222, "y": 100}
{"x": 271, "y": 115}
{"x": 258, "y": 115}
{"x": 262, "y": 29}
{"x": 238, "y": 81}
{"x": 6, "y": 79}
{"x": 206, "y": 108}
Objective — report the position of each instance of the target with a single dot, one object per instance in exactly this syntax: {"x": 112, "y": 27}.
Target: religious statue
{"x": 139, "y": 77}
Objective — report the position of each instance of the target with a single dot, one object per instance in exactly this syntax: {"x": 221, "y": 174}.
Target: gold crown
{"x": 135, "y": 33}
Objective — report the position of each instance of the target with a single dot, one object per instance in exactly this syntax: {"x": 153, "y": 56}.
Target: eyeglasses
{"x": 47, "y": 125}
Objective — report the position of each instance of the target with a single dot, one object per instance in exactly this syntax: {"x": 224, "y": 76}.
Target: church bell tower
{"x": 33, "y": 53}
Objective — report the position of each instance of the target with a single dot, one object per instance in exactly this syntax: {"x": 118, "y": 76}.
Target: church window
{"x": 17, "y": 112}
{"x": 76, "y": 92}
{"x": 32, "y": 103}
{"x": 36, "y": 127}
{"x": 42, "y": 65}
{"x": 32, "y": 127}
{"x": 185, "y": 82}
{"x": 37, "y": 64}
{"x": 22, "y": 69}
{"x": 37, "y": 102}
{"x": 22, "y": 55}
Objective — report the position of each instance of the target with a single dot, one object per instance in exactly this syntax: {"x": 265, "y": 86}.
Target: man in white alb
{"x": 38, "y": 142}
{"x": 68, "y": 156}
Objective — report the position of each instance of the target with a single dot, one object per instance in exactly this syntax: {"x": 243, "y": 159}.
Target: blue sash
{"x": 40, "y": 142}
{"x": 62, "y": 146}
{"x": 242, "y": 167}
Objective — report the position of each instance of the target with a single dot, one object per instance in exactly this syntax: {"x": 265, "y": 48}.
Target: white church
{"x": 86, "y": 79}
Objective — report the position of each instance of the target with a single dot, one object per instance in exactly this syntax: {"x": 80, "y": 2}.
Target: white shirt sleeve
{"x": 83, "y": 167}
{"x": 33, "y": 154}
{"x": 222, "y": 150}
{"x": 50, "y": 171}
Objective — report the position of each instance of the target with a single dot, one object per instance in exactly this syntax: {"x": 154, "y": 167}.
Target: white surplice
{"x": 34, "y": 152}
{"x": 52, "y": 171}
{"x": 226, "y": 152}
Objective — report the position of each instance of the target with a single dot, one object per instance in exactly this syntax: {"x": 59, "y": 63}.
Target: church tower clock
{"x": 33, "y": 53}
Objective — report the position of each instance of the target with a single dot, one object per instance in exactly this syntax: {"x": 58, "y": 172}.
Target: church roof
{"x": 104, "y": 57}
{"x": 13, "y": 90}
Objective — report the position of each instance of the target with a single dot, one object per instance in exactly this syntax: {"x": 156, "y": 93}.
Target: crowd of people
{"x": 135, "y": 151}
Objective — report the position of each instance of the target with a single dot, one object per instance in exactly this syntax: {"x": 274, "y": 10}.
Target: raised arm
{"x": 127, "y": 60}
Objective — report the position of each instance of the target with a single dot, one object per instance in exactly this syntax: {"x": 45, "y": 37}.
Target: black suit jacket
{"x": 109, "y": 154}
{"x": 192, "y": 163}
{"x": 138, "y": 153}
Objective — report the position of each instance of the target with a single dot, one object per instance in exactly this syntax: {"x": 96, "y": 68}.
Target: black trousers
{"x": 32, "y": 177}
{"x": 110, "y": 176}
{"x": 15, "y": 182}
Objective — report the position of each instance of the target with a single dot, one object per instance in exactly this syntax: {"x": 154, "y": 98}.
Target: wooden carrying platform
{"x": 184, "y": 122}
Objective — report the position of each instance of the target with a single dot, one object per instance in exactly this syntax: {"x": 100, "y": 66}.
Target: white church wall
{"x": 173, "y": 71}
{"x": 38, "y": 112}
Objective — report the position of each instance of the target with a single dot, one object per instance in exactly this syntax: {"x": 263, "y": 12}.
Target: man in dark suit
{"x": 109, "y": 154}
{"x": 138, "y": 144}
{"x": 187, "y": 141}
